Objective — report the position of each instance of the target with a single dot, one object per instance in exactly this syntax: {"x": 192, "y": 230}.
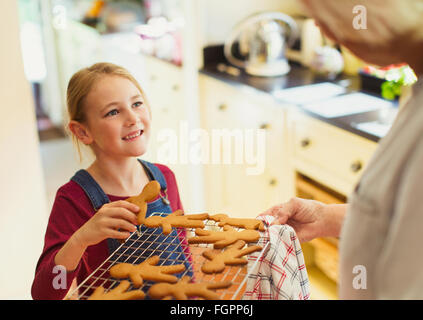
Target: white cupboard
{"x": 251, "y": 173}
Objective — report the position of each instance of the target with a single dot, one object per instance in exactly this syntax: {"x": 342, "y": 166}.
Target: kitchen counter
{"x": 300, "y": 76}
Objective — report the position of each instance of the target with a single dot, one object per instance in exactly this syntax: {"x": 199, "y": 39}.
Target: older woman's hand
{"x": 309, "y": 218}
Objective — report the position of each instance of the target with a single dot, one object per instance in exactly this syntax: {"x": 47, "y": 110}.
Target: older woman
{"x": 380, "y": 228}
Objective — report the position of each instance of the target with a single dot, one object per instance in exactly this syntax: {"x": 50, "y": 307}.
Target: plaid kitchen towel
{"x": 280, "y": 272}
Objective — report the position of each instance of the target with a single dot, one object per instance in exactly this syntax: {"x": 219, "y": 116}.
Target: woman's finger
{"x": 283, "y": 212}
{"x": 272, "y": 211}
{"x": 268, "y": 212}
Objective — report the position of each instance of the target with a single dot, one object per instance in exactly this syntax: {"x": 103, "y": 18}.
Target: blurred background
{"x": 59, "y": 37}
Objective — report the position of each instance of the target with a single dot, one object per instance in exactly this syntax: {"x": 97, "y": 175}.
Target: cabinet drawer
{"x": 333, "y": 150}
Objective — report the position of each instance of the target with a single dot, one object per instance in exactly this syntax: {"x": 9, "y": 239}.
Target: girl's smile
{"x": 133, "y": 135}
{"x": 118, "y": 119}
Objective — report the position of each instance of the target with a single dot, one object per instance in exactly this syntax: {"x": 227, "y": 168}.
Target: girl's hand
{"x": 309, "y": 218}
{"x": 114, "y": 220}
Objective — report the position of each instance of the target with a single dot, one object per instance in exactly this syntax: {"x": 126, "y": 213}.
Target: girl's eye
{"x": 138, "y": 104}
{"x": 112, "y": 113}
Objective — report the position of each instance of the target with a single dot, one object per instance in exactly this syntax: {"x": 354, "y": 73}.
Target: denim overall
{"x": 152, "y": 241}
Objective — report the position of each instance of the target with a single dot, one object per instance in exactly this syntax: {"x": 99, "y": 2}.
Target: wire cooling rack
{"x": 148, "y": 242}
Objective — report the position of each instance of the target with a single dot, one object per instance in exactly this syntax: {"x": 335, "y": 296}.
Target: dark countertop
{"x": 299, "y": 76}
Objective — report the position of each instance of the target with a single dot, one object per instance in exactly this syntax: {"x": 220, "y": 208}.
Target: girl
{"x": 109, "y": 113}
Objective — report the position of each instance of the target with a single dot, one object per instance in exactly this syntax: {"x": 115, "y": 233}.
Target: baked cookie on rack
{"x": 221, "y": 239}
{"x": 176, "y": 219}
{"x": 146, "y": 270}
{"x": 150, "y": 192}
{"x": 246, "y": 223}
{"x": 184, "y": 289}
{"x": 232, "y": 256}
{"x": 118, "y": 293}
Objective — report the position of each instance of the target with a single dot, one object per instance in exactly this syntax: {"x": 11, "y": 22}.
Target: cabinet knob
{"x": 305, "y": 142}
{"x": 175, "y": 87}
{"x": 265, "y": 126}
{"x": 356, "y": 166}
{"x": 273, "y": 182}
{"x": 223, "y": 106}
{"x": 153, "y": 77}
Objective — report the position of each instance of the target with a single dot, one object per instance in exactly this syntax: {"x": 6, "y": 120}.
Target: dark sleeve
{"x": 65, "y": 219}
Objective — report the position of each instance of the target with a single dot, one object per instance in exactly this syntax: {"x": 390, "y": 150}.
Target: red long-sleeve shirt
{"x": 71, "y": 209}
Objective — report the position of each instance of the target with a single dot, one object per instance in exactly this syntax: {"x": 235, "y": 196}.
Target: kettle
{"x": 262, "y": 40}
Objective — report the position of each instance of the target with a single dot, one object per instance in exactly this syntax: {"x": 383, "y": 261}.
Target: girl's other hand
{"x": 113, "y": 220}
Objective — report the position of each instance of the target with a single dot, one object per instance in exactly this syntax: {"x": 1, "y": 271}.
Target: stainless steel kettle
{"x": 262, "y": 39}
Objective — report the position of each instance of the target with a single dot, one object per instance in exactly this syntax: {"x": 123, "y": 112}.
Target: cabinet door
{"x": 257, "y": 183}
{"x": 216, "y": 113}
{"x": 165, "y": 95}
{"x": 78, "y": 46}
{"x": 248, "y": 179}
{"x": 331, "y": 156}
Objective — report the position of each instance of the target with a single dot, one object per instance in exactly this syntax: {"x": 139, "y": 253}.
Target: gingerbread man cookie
{"x": 150, "y": 192}
{"x": 118, "y": 293}
{"x": 146, "y": 270}
{"x": 224, "y": 238}
{"x": 176, "y": 219}
{"x": 251, "y": 224}
{"x": 184, "y": 289}
{"x": 231, "y": 256}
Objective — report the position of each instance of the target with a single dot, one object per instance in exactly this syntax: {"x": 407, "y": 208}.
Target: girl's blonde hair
{"x": 81, "y": 84}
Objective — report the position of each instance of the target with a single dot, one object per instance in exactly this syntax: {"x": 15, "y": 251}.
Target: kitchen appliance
{"x": 263, "y": 39}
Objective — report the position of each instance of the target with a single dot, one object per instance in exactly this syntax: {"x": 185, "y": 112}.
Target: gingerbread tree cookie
{"x": 231, "y": 256}
{"x": 176, "y": 219}
{"x": 118, "y": 293}
{"x": 146, "y": 270}
{"x": 221, "y": 239}
{"x": 184, "y": 289}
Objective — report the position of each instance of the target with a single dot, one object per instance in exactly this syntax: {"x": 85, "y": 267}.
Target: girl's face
{"x": 117, "y": 118}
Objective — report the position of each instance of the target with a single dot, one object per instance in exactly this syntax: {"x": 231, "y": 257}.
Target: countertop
{"x": 299, "y": 76}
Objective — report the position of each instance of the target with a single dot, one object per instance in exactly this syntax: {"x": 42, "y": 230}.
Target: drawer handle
{"x": 223, "y": 106}
{"x": 305, "y": 142}
{"x": 265, "y": 126}
{"x": 356, "y": 166}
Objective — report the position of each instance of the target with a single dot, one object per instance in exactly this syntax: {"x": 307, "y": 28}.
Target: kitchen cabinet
{"x": 165, "y": 96}
{"x": 75, "y": 46}
{"x": 332, "y": 156}
{"x": 242, "y": 187}
{"x": 78, "y": 46}
{"x": 164, "y": 91}
{"x": 304, "y": 157}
